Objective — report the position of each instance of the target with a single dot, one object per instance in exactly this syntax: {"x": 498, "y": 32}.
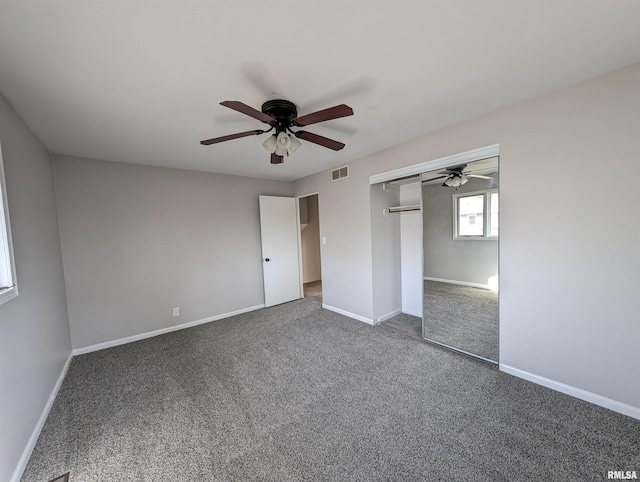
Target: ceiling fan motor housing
{"x": 282, "y": 111}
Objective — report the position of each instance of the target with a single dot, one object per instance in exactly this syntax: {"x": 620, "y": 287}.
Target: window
{"x": 475, "y": 215}
{"x": 8, "y": 288}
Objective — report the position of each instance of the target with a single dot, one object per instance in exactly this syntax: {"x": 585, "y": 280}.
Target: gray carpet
{"x": 295, "y": 392}
{"x": 409, "y": 324}
{"x": 462, "y": 317}
{"x": 313, "y": 288}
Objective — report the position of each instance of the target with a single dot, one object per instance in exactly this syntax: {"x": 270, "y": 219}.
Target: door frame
{"x": 442, "y": 162}
{"x": 316, "y": 193}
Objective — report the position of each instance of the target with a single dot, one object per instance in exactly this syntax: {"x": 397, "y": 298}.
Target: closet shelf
{"x": 399, "y": 209}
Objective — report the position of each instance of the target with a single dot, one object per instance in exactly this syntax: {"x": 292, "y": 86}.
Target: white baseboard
{"x": 389, "y": 315}
{"x": 412, "y": 313}
{"x": 349, "y": 314}
{"x": 456, "y": 282}
{"x": 149, "y": 334}
{"x": 594, "y": 398}
{"x": 26, "y": 453}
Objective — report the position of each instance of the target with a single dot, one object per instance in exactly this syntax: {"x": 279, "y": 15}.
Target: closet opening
{"x": 397, "y": 254}
{"x": 435, "y": 248}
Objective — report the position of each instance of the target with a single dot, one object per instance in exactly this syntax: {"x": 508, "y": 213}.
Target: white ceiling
{"x": 141, "y": 81}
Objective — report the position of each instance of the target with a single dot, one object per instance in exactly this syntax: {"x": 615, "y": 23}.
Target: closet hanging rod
{"x": 399, "y": 209}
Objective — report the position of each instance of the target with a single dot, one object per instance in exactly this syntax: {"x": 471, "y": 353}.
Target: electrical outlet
{"x": 176, "y": 311}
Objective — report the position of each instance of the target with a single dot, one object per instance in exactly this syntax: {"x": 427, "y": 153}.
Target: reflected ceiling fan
{"x": 282, "y": 116}
{"x": 456, "y": 177}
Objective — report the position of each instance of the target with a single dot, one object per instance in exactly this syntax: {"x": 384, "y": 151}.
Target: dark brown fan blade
{"x": 250, "y": 111}
{"x": 434, "y": 178}
{"x": 215, "y": 140}
{"x": 336, "y": 112}
{"x": 276, "y": 159}
{"x": 321, "y": 141}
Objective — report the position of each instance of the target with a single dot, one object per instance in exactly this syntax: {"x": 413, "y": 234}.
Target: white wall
{"x": 139, "y": 240}
{"x": 34, "y": 327}
{"x": 345, "y": 210}
{"x": 310, "y": 241}
{"x": 411, "y": 250}
{"x": 569, "y": 299}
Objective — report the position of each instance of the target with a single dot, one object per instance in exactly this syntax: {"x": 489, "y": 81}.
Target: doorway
{"x": 310, "y": 253}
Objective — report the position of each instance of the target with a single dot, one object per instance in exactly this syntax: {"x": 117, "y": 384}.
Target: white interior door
{"x": 280, "y": 255}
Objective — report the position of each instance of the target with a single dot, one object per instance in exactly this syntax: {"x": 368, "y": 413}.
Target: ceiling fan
{"x": 456, "y": 177}
{"x": 282, "y": 116}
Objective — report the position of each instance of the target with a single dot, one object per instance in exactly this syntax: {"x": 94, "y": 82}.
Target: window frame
{"x": 6, "y": 244}
{"x": 486, "y": 215}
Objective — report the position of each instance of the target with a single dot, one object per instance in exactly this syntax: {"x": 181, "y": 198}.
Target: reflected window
{"x": 494, "y": 208}
{"x": 8, "y": 288}
{"x": 476, "y": 215}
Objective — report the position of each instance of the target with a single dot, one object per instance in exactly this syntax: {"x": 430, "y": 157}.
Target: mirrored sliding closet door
{"x": 460, "y": 255}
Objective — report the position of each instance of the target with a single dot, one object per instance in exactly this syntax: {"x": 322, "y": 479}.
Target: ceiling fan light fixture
{"x": 284, "y": 141}
{"x": 463, "y": 180}
{"x": 295, "y": 144}
{"x": 270, "y": 144}
{"x": 449, "y": 182}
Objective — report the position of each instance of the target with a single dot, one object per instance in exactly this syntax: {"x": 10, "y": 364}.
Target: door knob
{"x": 267, "y": 259}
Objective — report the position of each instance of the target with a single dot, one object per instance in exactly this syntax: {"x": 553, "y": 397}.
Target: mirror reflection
{"x": 460, "y": 254}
